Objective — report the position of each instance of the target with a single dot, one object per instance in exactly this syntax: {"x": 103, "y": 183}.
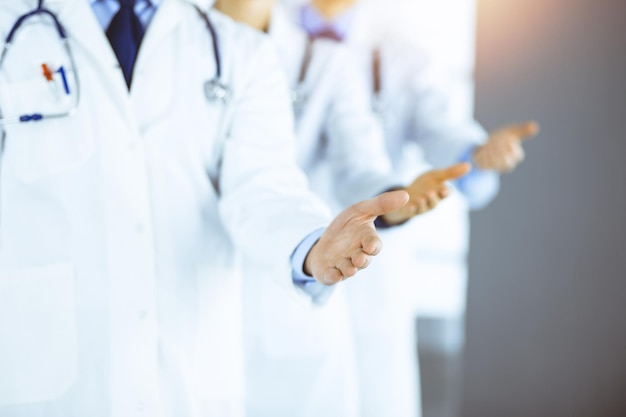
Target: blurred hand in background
{"x": 503, "y": 152}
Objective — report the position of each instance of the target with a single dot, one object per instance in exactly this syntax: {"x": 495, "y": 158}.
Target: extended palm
{"x": 503, "y": 152}
{"x": 350, "y": 242}
{"x": 426, "y": 192}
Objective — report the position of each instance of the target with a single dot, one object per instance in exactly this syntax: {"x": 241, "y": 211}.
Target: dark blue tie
{"x": 125, "y": 33}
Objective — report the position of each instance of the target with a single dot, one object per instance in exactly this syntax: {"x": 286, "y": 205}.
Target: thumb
{"x": 383, "y": 204}
{"x": 452, "y": 172}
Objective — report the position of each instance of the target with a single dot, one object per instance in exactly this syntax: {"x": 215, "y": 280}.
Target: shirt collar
{"x": 314, "y": 23}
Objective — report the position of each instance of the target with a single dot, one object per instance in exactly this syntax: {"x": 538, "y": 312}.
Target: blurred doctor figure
{"x": 300, "y": 359}
{"x": 423, "y": 128}
{"x": 126, "y": 202}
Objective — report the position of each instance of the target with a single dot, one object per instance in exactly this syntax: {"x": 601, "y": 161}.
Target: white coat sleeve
{"x": 441, "y": 124}
{"x": 444, "y": 126}
{"x": 265, "y": 204}
{"x": 356, "y": 144}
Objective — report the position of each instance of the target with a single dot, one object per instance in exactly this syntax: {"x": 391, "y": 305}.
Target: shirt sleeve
{"x": 319, "y": 293}
{"x": 479, "y": 187}
{"x": 441, "y": 122}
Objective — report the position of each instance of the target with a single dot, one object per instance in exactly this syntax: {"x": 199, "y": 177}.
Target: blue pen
{"x": 66, "y": 86}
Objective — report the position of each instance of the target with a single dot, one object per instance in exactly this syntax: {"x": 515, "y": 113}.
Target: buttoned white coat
{"x": 428, "y": 122}
{"x": 300, "y": 357}
{"x": 120, "y": 292}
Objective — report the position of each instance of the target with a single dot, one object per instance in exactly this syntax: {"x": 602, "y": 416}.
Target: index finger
{"x": 452, "y": 172}
{"x": 526, "y": 130}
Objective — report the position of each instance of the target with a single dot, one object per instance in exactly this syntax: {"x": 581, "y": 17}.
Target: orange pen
{"x": 49, "y": 76}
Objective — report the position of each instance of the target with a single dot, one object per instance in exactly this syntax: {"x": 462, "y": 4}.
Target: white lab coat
{"x": 300, "y": 357}
{"x": 425, "y": 127}
{"x": 340, "y": 141}
{"x": 119, "y": 287}
{"x": 424, "y": 263}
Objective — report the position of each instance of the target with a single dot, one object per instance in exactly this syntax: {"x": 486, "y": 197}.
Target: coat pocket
{"x": 37, "y": 149}
{"x": 38, "y": 337}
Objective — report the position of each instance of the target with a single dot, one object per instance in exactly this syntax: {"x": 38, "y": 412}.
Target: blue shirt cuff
{"x": 300, "y": 254}
{"x": 479, "y": 187}
{"x": 319, "y": 293}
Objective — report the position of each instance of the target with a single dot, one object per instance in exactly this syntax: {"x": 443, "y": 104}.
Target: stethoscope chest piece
{"x": 298, "y": 98}
{"x": 216, "y": 91}
{"x": 379, "y": 104}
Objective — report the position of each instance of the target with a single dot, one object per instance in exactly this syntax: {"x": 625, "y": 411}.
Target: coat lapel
{"x": 166, "y": 19}
{"x": 83, "y": 29}
{"x": 291, "y": 42}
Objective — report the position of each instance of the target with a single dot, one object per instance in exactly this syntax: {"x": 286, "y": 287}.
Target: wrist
{"x": 476, "y": 158}
{"x": 307, "y": 267}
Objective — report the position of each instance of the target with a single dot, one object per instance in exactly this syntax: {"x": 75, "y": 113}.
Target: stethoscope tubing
{"x": 8, "y": 43}
{"x": 219, "y": 91}
{"x": 214, "y": 38}
{"x": 299, "y": 94}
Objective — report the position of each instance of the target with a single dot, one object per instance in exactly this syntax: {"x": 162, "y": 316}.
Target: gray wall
{"x": 546, "y": 325}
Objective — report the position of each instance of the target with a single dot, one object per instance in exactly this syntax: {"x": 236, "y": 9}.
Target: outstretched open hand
{"x": 350, "y": 241}
{"x": 426, "y": 192}
{"x": 503, "y": 152}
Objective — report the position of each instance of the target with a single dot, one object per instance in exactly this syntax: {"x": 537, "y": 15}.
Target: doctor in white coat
{"x": 300, "y": 359}
{"x": 126, "y": 198}
{"x": 425, "y": 126}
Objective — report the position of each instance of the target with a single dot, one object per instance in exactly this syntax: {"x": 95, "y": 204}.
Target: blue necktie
{"x": 125, "y": 33}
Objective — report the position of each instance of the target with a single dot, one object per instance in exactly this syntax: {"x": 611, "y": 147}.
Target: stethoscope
{"x": 299, "y": 94}
{"x": 215, "y": 89}
{"x": 47, "y": 73}
{"x": 379, "y": 106}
